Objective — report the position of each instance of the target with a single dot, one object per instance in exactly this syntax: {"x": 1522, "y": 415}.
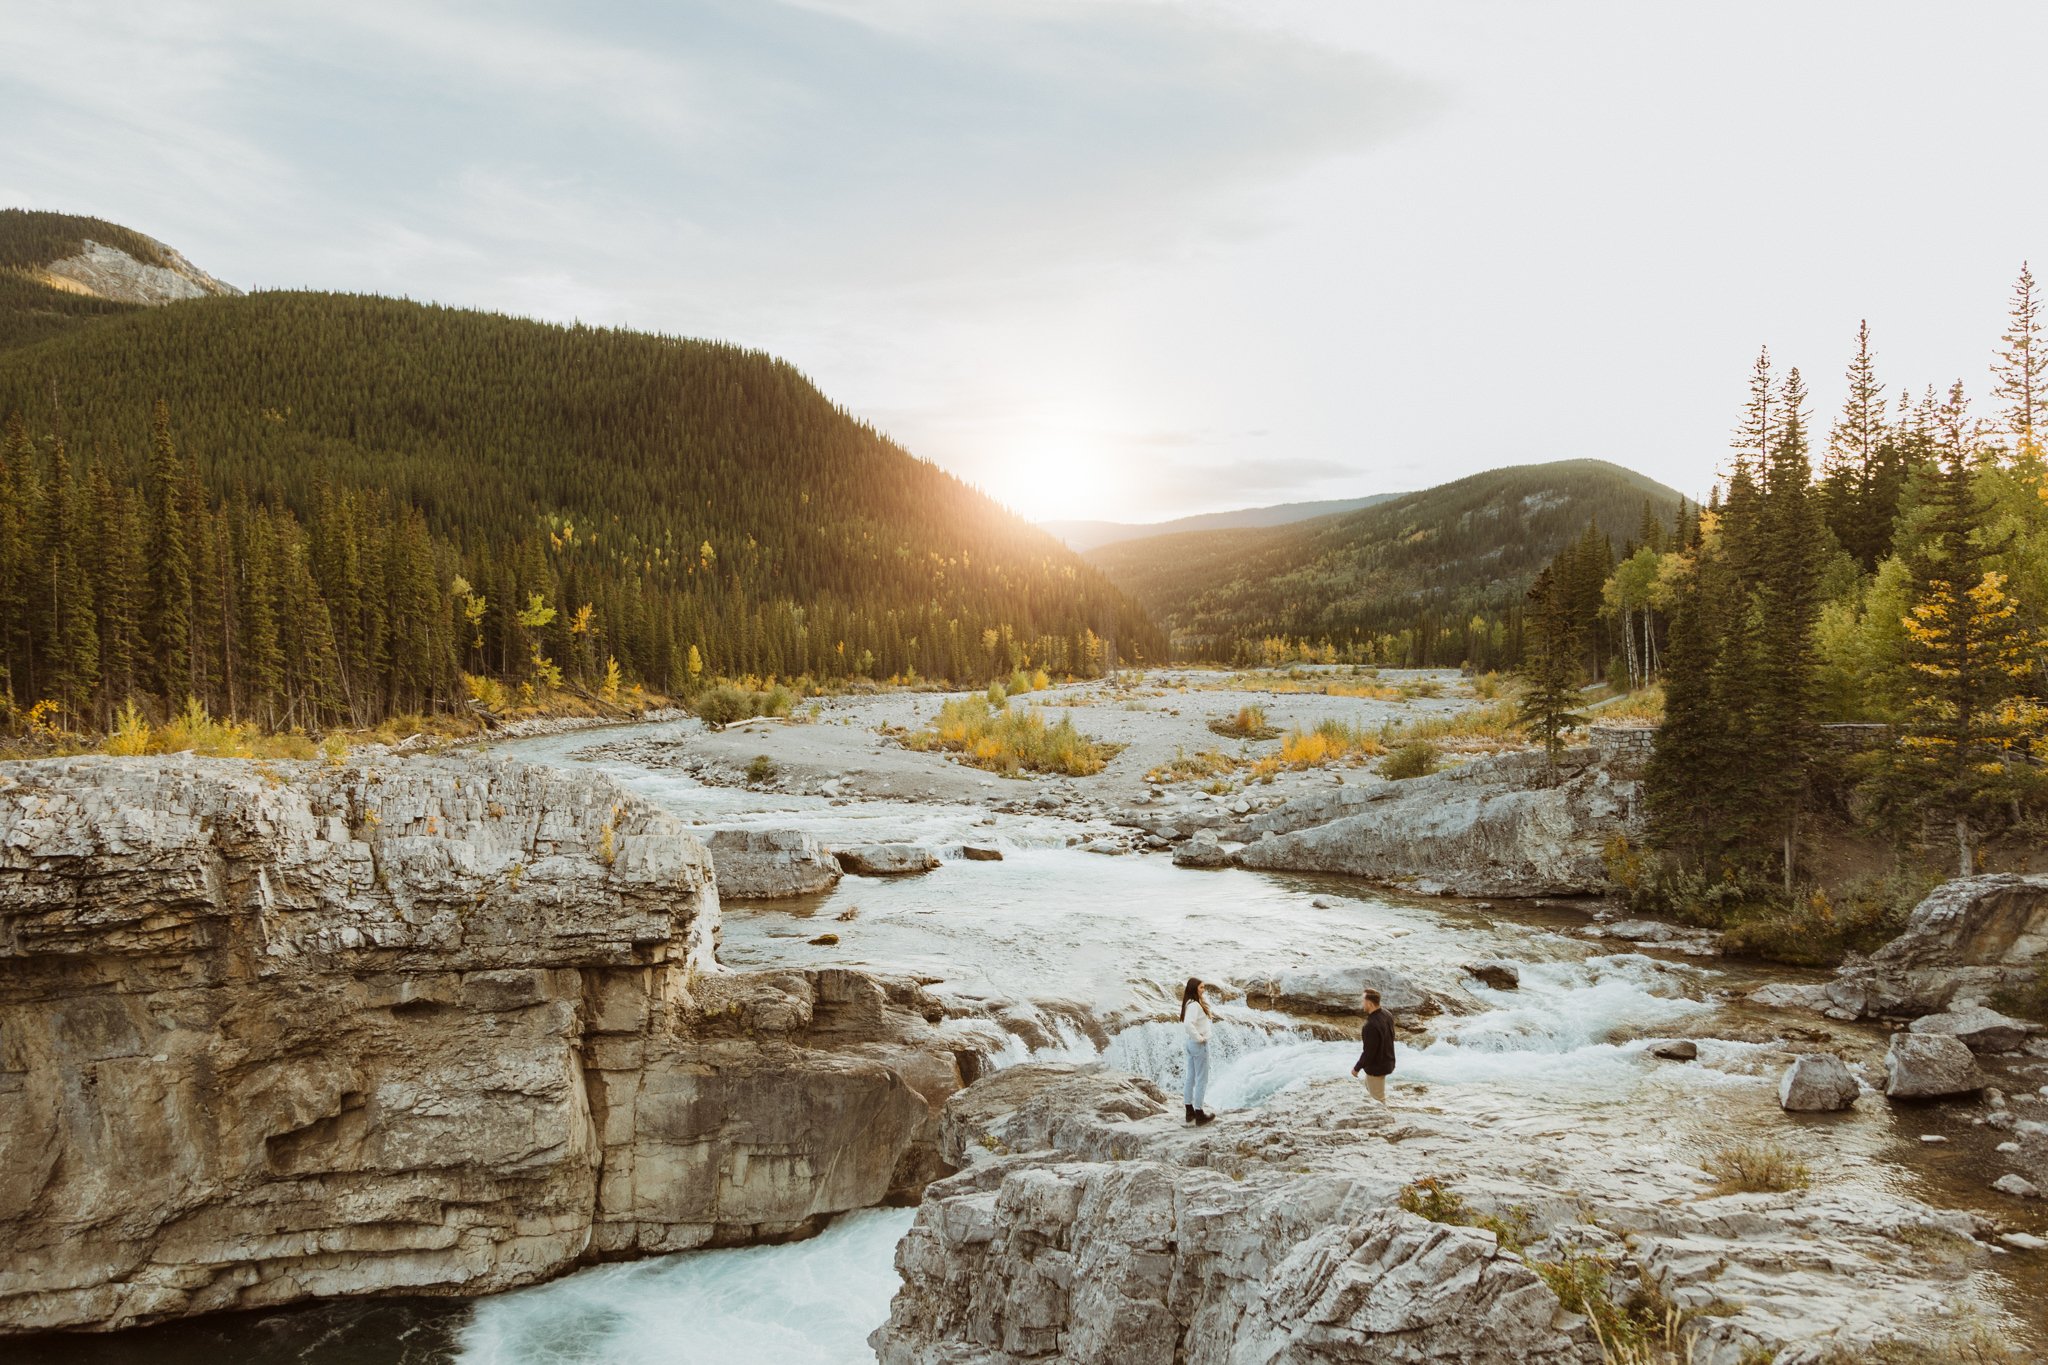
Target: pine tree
{"x": 2022, "y": 366}
{"x": 1550, "y": 667}
{"x": 169, "y": 618}
{"x": 1850, "y": 469}
{"x": 1788, "y": 604}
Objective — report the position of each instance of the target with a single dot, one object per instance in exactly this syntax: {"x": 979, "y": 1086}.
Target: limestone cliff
{"x": 274, "y": 1031}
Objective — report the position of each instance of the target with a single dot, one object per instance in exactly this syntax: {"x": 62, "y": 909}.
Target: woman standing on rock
{"x": 1195, "y": 1017}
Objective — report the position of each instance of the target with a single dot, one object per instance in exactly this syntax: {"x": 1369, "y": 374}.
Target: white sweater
{"x": 1196, "y": 1019}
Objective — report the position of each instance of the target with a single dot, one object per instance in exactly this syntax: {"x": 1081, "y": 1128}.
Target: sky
{"x": 1129, "y": 259}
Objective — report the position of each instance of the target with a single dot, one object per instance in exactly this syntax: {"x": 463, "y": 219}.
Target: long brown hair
{"x": 1192, "y": 992}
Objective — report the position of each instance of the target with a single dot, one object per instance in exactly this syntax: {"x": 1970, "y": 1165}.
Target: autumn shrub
{"x": 1417, "y": 759}
{"x": 726, "y": 703}
{"x": 1760, "y": 1167}
{"x": 1011, "y": 739}
{"x": 1331, "y": 741}
{"x": 1492, "y": 726}
{"x": 760, "y": 769}
{"x": 1186, "y": 767}
{"x": 1248, "y": 723}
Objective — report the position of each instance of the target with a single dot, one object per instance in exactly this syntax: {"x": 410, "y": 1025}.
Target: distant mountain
{"x": 1400, "y": 581}
{"x": 58, "y": 270}
{"x": 371, "y": 470}
{"x": 1083, "y": 536}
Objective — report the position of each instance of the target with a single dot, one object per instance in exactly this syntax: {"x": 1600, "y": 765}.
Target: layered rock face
{"x": 1968, "y": 940}
{"x": 771, "y": 864}
{"x": 278, "y": 1031}
{"x": 1492, "y": 827}
{"x": 1093, "y": 1226}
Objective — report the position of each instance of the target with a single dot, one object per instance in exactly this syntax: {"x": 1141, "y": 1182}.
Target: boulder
{"x": 1203, "y": 850}
{"x": 979, "y": 853}
{"x": 2018, "y": 1186}
{"x": 1929, "y": 1066}
{"x": 1496, "y": 972}
{"x": 770, "y": 864}
{"x": 886, "y": 860}
{"x": 1336, "y": 990}
{"x": 1977, "y": 1028}
{"x": 1817, "y": 1083}
{"x": 1501, "y": 826}
{"x": 440, "y": 1025}
{"x": 1676, "y": 1050}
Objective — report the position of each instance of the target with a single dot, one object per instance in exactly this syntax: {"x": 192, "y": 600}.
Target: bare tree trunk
{"x": 1966, "y": 856}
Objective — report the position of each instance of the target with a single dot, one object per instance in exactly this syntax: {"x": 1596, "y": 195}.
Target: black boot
{"x": 1202, "y": 1118}
{"x": 1191, "y": 1112}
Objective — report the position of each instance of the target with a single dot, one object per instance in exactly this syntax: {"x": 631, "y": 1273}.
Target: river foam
{"x": 802, "y": 1303}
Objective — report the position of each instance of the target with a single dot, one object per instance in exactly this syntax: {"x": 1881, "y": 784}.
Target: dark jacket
{"x": 1378, "y": 1036}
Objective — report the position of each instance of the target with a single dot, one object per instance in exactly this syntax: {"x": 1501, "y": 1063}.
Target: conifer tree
{"x": 1788, "y": 603}
{"x": 1850, "y": 469}
{"x": 169, "y": 618}
{"x": 2021, "y": 369}
{"x": 1550, "y": 667}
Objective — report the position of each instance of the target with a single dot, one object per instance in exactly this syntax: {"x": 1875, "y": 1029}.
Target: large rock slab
{"x": 1817, "y": 1083}
{"x": 887, "y": 860}
{"x": 278, "y": 1031}
{"x": 1968, "y": 940}
{"x": 1337, "y": 990}
{"x": 771, "y": 864}
{"x": 1092, "y": 1225}
{"x": 1929, "y": 1066}
{"x": 1493, "y": 827}
{"x": 1977, "y": 1028}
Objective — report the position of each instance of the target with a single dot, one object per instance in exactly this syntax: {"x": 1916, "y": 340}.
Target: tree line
{"x": 349, "y": 508}
{"x": 1902, "y": 583}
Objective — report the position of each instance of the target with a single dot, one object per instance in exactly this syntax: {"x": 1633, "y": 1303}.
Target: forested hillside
{"x": 1429, "y": 578}
{"x": 345, "y": 503}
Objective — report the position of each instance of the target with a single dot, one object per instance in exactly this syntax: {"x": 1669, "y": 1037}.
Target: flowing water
{"x": 1079, "y": 955}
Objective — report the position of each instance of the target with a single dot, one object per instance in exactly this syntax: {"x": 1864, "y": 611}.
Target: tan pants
{"x": 1376, "y": 1086}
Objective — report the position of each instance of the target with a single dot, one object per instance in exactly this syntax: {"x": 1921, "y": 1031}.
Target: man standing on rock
{"x": 1376, "y": 1060}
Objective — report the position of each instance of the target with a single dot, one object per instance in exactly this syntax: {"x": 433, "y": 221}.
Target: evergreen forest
{"x": 311, "y": 509}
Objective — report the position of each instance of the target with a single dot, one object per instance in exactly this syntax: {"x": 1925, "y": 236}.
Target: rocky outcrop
{"x": 108, "y": 272}
{"x": 887, "y": 860}
{"x": 1816, "y": 1083}
{"x": 1093, "y": 1226}
{"x": 1970, "y": 939}
{"x": 1496, "y": 826}
{"x": 771, "y": 864}
{"x": 276, "y": 1031}
{"x": 1923, "y": 1066}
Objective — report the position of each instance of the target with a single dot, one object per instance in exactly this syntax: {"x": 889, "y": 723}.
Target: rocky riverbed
{"x": 1548, "y": 1057}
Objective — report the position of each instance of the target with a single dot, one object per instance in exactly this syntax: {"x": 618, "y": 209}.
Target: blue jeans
{"x": 1198, "y": 1074}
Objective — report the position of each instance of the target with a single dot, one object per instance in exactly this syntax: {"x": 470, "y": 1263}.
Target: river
{"x": 1080, "y": 954}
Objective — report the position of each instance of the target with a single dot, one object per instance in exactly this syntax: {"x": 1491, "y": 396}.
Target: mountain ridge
{"x": 1412, "y": 579}
{"x": 1082, "y": 536}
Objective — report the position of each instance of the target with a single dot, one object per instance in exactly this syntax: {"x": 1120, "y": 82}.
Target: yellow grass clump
{"x": 1332, "y": 741}
{"x": 1005, "y": 740}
